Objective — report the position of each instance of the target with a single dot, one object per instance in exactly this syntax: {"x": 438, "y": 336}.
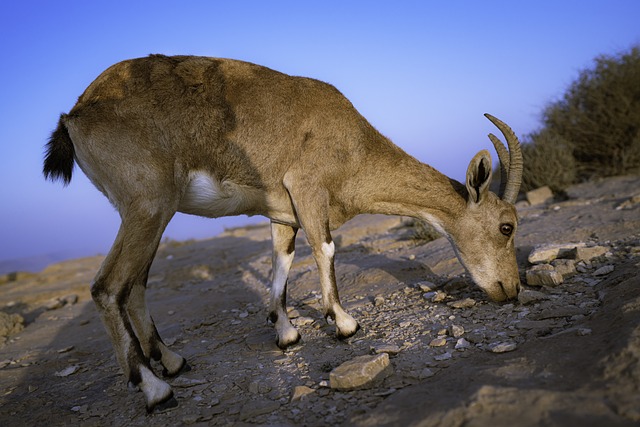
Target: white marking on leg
{"x": 155, "y": 390}
{"x": 287, "y": 334}
{"x": 329, "y": 249}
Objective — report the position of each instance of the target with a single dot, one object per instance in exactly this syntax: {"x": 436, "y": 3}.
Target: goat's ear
{"x": 479, "y": 177}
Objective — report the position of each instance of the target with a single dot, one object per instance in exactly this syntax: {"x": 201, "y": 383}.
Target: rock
{"x": 360, "y": 372}
{"x": 442, "y": 357}
{"x": 583, "y": 253}
{"x": 10, "y": 324}
{"x": 629, "y": 203}
{"x": 548, "y": 252}
{"x": 463, "y": 303}
{"x": 543, "y": 275}
{"x": 438, "y": 342}
{"x": 604, "y": 270}
{"x": 456, "y": 331}
{"x": 300, "y": 392}
{"x": 390, "y": 349}
{"x": 54, "y": 304}
{"x": 462, "y": 344}
{"x": 429, "y": 295}
{"x": 70, "y": 299}
{"x": 439, "y": 296}
{"x": 427, "y": 286}
{"x": 566, "y": 267}
{"x": 502, "y": 347}
{"x": 378, "y": 301}
{"x": 69, "y": 370}
{"x": 257, "y": 407}
{"x": 527, "y": 296}
{"x": 539, "y": 195}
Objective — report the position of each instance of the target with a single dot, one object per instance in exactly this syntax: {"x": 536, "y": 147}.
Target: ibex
{"x": 218, "y": 137}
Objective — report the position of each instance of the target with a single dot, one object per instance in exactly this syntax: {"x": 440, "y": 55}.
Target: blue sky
{"x": 422, "y": 72}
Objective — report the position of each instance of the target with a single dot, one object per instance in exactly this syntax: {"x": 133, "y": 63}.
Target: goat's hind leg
{"x": 283, "y": 239}
{"x": 152, "y": 345}
{"x": 126, "y": 265}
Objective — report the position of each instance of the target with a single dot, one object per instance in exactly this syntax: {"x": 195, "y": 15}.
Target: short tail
{"x": 60, "y": 155}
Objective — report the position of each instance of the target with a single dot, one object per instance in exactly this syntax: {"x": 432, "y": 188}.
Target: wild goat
{"x": 218, "y": 137}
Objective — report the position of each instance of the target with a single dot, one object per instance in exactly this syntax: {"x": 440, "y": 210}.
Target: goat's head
{"x": 484, "y": 232}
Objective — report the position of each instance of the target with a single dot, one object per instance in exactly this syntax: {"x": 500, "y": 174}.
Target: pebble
{"x": 527, "y": 296}
{"x": 438, "y": 342}
{"x": 390, "y": 349}
{"x": 548, "y": 252}
{"x": 427, "y": 286}
{"x": 502, "y": 347}
{"x": 462, "y": 344}
{"x": 439, "y": 296}
{"x": 360, "y": 372}
{"x": 543, "y": 275}
{"x": 378, "y": 301}
{"x": 300, "y": 392}
{"x": 443, "y": 357}
{"x": 604, "y": 270}
{"x": 69, "y": 370}
{"x": 463, "y": 303}
{"x": 456, "y": 331}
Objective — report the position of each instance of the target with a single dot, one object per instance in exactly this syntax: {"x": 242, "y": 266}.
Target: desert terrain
{"x": 566, "y": 353}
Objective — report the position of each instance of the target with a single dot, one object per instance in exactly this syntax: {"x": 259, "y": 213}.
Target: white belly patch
{"x": 206, "y": 196}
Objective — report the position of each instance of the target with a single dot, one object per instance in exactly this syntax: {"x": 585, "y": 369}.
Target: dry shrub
{"x": 599, "y": 116}
{"x": 548, "y": 160}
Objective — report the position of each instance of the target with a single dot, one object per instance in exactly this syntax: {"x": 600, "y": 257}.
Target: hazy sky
{"x": 422, "y": 72}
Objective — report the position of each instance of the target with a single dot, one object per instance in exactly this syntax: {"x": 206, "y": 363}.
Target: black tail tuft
{"x": 60, "y": 155}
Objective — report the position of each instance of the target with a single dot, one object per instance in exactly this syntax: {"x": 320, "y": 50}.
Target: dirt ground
{"x": 569, "y": 356}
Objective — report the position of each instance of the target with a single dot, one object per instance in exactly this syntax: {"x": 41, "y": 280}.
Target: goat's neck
{"x": 401, "y": 185}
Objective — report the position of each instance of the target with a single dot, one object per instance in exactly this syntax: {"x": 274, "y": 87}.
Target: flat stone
{"x": 527, "y": 296}
{"x": 438, "y": 342}
{"x": 360, "y": 372}
{"x": 543, "y": 275}
{"x": 548, "y": 252}
{"x": 463, "y": 303}
{"x": 539, "y": 196}
{"x": 300, "y": 392}
{"x": 442, "y": 357}
{"x": 584, "y": 253}
{"x": 566, "y": 267}
{"x": 502, "y": 347}
{"x": 390, "y": 349}
{"x": 604, "y": 270}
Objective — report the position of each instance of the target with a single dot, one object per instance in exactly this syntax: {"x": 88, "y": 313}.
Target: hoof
{"x": 283, "y": 345}
{"x": 164, "y": 405}
{"x": 183, "y": 368}
{"x": 348, "y": 334}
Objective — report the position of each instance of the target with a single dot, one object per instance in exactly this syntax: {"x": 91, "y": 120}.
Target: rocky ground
{"x": 439, "y": 353}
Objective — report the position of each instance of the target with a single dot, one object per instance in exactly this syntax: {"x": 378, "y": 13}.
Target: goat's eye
{"x": 506, "y": 229}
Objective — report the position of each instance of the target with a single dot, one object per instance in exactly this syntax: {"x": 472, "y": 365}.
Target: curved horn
{"x": 511, "y": 163}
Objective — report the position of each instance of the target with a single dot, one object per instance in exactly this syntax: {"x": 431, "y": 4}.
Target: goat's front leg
{"x": 283, "y": 239}
{"x": 324, "y": 254}
{"x": 312, "y": 206}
